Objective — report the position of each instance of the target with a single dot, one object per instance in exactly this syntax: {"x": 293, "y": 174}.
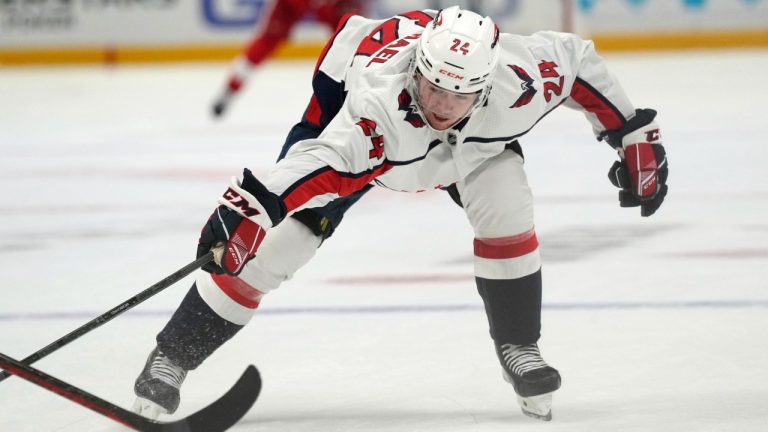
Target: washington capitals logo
{"x": 404, "y": 104}
{"x": 527, "y": 86}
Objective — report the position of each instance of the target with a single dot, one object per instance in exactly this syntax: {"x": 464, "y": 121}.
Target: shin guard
{"x": 194, "y": 332}
{"x": 513, "y": 308}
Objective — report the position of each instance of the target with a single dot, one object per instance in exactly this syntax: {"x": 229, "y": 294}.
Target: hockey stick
{"x": 117, "y": 310}
{"x": 218, "y": 416}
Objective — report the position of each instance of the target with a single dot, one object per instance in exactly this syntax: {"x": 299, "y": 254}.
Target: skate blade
{"x": 538, "y": 407}
{"x": 148, "y": 409}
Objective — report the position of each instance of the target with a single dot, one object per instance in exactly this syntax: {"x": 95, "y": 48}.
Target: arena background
{"x": 110, "y": 162}
{"x": 118, "y": 31}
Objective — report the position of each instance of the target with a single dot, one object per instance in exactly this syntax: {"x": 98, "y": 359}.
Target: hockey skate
{"x": 157, "y": 387}
{"x": 221, "y": 103}
{"x": 534, "y": 380}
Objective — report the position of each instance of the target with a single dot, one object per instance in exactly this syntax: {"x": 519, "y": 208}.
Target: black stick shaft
{"x": 117, "y": 310}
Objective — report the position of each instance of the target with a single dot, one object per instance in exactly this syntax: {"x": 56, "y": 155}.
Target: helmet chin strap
{"x": 413, "y": 88}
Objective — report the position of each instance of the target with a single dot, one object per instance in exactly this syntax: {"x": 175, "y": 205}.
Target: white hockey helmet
{"x": 458, "y": 51}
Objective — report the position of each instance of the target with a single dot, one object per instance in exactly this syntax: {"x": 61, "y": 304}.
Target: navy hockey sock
{"x": 194, "y": 332}
{"x": 513, "y": 308}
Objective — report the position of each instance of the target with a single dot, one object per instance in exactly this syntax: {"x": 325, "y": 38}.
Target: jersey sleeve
{"x": 591, "y": 87}
{"x": 355, "y": 37}
{"x": 347, "y": 156}
{"x": 332, "y": 65}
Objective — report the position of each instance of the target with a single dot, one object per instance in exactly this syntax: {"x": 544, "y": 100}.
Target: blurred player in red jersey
{"x": 276, "y": 28}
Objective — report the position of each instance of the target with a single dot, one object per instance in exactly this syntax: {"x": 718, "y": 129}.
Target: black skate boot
{"x": 221, "y": 103}
{"x": 533, "y": 379}
{"x": 157, "y": 387}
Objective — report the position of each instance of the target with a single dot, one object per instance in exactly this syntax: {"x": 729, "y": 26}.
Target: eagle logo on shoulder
{"x": 527, "y": 85}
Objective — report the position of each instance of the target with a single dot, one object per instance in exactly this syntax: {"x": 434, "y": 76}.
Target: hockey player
{"x": 419, "y": 101}
{"x": 277, "y": 26}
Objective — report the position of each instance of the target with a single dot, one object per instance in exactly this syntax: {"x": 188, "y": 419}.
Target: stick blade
{"x": 230, "y": 408}
{"x": 219, "y": 416}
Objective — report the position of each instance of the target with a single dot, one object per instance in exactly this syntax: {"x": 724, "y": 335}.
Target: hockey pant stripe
{"x": 509, "y": 257}
{"x": 506, "y": 247}
{"x": 239, "y": 291}
{"x": 230, "y": 297}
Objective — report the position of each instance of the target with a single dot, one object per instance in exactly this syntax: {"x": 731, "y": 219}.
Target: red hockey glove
{"x": 247, "y": 210}
{"x": 641, "y": 174}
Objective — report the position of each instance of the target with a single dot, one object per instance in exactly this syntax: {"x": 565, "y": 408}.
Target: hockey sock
{"x": 513, "y": 308}
{"x": 194, "y": 332}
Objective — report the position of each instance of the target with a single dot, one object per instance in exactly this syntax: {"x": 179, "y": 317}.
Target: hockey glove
{"x": 247, "y": 210}
{"x": 641, "y": 174}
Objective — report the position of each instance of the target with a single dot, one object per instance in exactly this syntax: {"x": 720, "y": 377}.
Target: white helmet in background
{"x": 458, "y": 51}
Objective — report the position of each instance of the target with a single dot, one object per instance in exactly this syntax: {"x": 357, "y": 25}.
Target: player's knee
{"x": 507, "y": 257}
{"x": 229, "y": 297}
{"x": 285, "y": 249}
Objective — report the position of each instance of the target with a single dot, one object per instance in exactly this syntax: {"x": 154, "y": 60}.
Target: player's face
{"x": 443, "y": 108}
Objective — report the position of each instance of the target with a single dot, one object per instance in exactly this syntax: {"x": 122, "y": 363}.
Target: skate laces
{"x": 522, "y": 358}
{"x": 164, "y": 370}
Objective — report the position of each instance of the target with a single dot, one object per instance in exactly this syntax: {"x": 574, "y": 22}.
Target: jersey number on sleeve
{"x": 377, "y": 140}
{"x": 547, "y": 70}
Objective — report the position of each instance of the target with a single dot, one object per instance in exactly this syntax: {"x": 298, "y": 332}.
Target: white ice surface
{"x": 657, "y": 324}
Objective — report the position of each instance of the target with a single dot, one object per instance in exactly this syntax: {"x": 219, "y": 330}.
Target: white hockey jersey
{"x": 377, "y": 134}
